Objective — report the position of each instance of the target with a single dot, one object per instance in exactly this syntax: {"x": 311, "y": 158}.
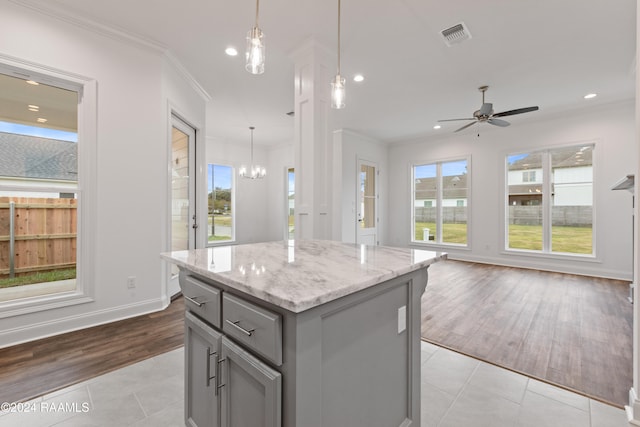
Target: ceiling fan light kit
{"x": 486, "y": 115}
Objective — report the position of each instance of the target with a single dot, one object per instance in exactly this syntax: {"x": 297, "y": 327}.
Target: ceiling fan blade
{"x": 455, "y": 120}
{"x": 464, "y": 127}
{"x": 498, "y": 122}
{"x": 516, "y": 111}
{"x": 486, "y": 109}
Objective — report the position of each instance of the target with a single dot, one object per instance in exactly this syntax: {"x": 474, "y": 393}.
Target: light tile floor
{"x": 456, "y": 391}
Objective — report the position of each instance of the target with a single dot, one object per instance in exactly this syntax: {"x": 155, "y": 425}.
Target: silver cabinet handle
{"x": 193, "y": 300}
{"x": 209, "y": 377}
{"x": 248, "y": 332}
{"x": 218, "y": 375}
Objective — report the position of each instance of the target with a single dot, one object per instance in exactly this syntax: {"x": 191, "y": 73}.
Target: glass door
{"x": 367, "y": 203}
{"x": 183, "y": 213}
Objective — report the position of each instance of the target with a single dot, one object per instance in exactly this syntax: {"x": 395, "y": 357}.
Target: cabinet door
{"x": 202, "y": 353}
{"x": 251, "y": 391}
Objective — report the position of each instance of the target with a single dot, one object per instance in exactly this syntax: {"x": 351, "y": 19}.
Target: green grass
{"x": 222, "y": 221}
{"x": 451, "y": 233}
{"x": 575, "y": 240}
{"x": 40, "y": 277}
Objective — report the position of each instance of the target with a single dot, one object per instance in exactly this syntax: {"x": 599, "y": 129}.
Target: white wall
{"x": 611, "y": 127}
{"x": 349, "y": 147}
{"x": 134, "y": 88}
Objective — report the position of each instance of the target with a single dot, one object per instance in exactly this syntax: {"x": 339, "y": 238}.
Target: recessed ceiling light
{"x": 358, "y": 78}
{"x": 590, "y": 95}
{"x": 33, "y": 107}
{"x": 32, "y": 82}
{"x": 437, "y": 127}
{"x": 231, "y": 51}
{"x": 41, "y": 120}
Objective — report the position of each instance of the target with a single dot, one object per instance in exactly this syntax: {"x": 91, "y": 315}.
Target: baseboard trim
{"x": 584, "y": 270}
{"x": 82, "y": 321}
{"x": 633, "y": 409}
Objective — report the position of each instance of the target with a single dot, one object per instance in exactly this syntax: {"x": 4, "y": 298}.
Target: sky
{"x": 38, "y": 131}
{"x": 222, "y": 175}
{"x": 448, "y": 169}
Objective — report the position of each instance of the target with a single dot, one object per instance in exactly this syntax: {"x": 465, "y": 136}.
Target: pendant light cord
{"x": 252, "y": 147}
{"x": 338, "y": 37}
{"x": 257, "y": 10}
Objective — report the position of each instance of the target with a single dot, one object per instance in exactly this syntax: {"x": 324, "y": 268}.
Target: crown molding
{"x": 112, "y": 32}
{"x": 186, "y": 75}
{"x": 117, "y": 34}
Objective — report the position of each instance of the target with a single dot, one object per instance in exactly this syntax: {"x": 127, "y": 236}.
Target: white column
{"x": 313, "y": 142}
{"x": 633, "y": 410}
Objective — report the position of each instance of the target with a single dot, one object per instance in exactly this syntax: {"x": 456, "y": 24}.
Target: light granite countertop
{"x": 299, "y": 275}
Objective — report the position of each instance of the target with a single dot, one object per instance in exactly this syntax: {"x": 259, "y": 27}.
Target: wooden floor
{"x": 568, "y": 330}
{"x": 33, "y": 369}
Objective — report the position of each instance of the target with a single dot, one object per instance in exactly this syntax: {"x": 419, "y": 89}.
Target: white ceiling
{"x": 548, "y": 53}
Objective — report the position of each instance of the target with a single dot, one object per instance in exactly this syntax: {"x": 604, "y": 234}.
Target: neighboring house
{"x": 455, "y": 193}
{"x": 37, "y": 162}
{"x": 572, "y": 184}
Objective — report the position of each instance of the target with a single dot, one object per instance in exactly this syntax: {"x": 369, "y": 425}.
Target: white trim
{"x": 582, "y": 270}
{"x": 186, "y": 75}
{"x": 86, "y": 189}
{"x": 633, "y": 408}
{"x": 50, "y": 328}
{"x": 111, "y": 31}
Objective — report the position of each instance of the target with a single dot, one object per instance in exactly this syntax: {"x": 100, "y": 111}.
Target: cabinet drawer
{"x": 202, "y": 299}
{"x": 254, "y": 326}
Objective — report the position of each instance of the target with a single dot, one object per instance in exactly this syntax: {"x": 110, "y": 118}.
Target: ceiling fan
{"x": 486, "y": 115}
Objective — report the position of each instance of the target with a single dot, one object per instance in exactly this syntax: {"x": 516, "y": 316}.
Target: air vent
{"x": 456, "y": 34}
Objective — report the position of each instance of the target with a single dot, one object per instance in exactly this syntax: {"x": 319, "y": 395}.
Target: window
{"x": 291, "y": 200}
{"x": 555, "y": 213}
{"x": 45, "y": 188}
{"x": 221, "y": 219}
{"x": 440, "y": 202}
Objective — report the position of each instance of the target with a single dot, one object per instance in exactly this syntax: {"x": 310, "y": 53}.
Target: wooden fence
{"x": 44, "y": 234}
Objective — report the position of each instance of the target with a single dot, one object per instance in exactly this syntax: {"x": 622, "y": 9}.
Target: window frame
{"x": 85, "y": 188}
{"x": 547, "y": 193}
{"x": 233, "y": 207}
{"x": 439, "y": 205}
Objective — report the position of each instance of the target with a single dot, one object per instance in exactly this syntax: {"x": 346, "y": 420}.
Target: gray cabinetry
{"x": 251, "y": 391}
{"x": 225, "y": 385}
{"x": 353, "y": 361}
{"x": 202, "y": 351}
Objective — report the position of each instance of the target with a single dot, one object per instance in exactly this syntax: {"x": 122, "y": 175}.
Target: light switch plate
{"x": 402, "y": 319}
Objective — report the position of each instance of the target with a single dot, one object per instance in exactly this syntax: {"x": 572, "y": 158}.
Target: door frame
{"x": 359, "y": 163}
{"x": 175, "y": 119}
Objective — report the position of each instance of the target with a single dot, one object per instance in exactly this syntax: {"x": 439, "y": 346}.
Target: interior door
{"x": 183, "y": 219}
{"x": 367, "y": 204}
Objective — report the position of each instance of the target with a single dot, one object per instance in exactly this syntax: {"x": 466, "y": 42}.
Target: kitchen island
{"x": 308, "y": 333}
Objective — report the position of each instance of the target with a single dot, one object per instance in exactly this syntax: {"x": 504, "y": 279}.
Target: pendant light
{"x": 255, "y": 171}
{"x": 337, "y": 85}
{"x": 255, "y": 47}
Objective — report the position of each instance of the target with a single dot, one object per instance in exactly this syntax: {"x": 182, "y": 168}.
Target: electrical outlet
{"x": 131, "y": 282}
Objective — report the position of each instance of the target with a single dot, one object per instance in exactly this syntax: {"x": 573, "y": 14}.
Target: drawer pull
{"x": 209, "y": 354}
{"x": 219, "y": 374}
{"x": 240, "y": 328}
{"x": 195, "y": 301}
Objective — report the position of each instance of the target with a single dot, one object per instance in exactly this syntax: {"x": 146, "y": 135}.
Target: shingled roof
{"x": 23, "y": 156}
